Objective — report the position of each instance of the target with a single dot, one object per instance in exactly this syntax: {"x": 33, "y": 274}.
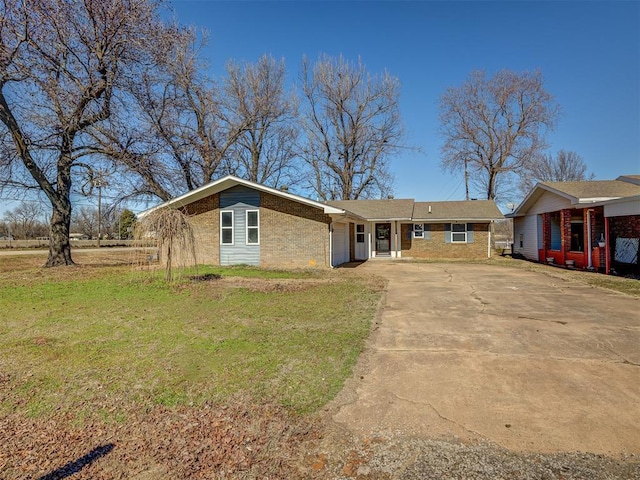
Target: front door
{"x": 383, "y": 238}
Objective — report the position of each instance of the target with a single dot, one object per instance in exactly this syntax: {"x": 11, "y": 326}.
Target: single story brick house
{"x": 236, "y": 221}
{"x": 587, "y": 224}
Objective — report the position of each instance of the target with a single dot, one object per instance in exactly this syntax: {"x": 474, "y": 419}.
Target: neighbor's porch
{"x": 575, "y": 238}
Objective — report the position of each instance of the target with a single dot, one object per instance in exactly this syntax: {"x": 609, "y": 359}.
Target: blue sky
{"x": 588, "y": 52}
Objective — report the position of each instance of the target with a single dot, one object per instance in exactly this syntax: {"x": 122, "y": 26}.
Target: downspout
{"x": 589, "y": 256}
{"x": 331, "y": 245}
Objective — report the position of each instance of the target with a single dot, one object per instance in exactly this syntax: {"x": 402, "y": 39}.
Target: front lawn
{"x": 100, "y": 340}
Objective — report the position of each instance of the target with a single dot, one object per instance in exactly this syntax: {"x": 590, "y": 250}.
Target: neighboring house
{"x": 240, "y": 222}
{"x": 405, "y": 228}
{"x": 78, "y": 236}
{"x": 587, "y": 224}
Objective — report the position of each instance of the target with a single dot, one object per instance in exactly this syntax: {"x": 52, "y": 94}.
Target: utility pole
{"x": 96, "y": 179}
{"x": 466, "y": 180}
{"x": 99, "y": 182}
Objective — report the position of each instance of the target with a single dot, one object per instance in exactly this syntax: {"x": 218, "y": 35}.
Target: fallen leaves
{"x": 240, "y": 439}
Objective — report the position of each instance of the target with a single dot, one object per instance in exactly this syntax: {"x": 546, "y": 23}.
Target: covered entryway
{"x": 383, "y": 239}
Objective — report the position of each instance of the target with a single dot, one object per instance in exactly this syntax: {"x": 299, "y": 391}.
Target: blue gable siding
{"x": 239, "y": 199}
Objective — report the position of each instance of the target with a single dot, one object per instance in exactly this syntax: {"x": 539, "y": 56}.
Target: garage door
{"x": 340, "y": 243}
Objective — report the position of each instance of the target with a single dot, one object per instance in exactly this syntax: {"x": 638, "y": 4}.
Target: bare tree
{"x": 26, "y": 220}
{"x": 494, "y": 127}
{"x": 351, "y": 127}
{"x": 256, "y": 93}
{"x": 85, "y": 220}
{"x": 566, "y": 166}
{"x": 61, "y": 65}
{"x": 184, "y": 130}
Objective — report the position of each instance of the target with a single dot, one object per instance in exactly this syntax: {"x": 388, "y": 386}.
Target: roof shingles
{"x": 407, "y": 209}
{"x": 456, "y": 210}
{"x": 595, "y": 189}
{"x": 392, "y": 209}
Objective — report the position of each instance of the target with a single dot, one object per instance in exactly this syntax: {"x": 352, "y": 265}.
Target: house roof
{"x": 635, "y": 179}
{"x": 457, "y": 210}
{"x": 229, "y": 181}
{"x": 391, "y": 209}
{"x": 584, "y": 192}
{"x": 372, "y": 210}
{"x": 596, "y": 190}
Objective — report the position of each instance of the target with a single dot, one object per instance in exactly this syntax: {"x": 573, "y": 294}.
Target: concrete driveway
{"x": 476, "y": 352}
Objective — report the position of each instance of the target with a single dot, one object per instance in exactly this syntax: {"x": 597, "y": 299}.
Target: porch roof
{"x": 594, "y": 191}
{"x": 478, "y": 210}
{"x": 390, "y": 209}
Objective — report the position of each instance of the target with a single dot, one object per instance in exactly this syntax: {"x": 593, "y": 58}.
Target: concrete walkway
{"x": 477, "y": 352}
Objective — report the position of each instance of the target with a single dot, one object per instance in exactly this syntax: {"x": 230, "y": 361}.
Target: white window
{"x": 458, "y": 233}
{"x": 226, "y": 227}
{"x": 418, "y": 230}
{"x": 253, "y": 227}
{"x": 359, "y": 233}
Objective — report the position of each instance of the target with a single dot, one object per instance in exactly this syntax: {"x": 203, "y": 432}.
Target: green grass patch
{"x": 97, "y": 341}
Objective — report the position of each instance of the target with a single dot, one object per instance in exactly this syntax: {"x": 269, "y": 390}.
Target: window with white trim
{"x": 458, "y": 233}
{"x": 226, "y": 227}
{"x": 359, "y": 233}
{"x": 253, "y": 227}
{"x": 418, "y": 230}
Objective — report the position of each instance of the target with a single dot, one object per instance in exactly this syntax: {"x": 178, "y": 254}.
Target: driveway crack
{"x": 437, "y": 412}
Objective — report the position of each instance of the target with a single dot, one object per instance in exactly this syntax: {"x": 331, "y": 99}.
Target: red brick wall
{"x": 292, "y": 234}
{"x": 436, "y": 247}
{"x": 626, "y": 227}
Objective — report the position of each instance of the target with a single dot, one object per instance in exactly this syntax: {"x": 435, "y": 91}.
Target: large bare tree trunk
{"x": 59, "y": 246}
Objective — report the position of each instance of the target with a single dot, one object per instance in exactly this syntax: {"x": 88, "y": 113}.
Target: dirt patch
{"x": 268, "y": 285}
{"x": 207, "y": 277}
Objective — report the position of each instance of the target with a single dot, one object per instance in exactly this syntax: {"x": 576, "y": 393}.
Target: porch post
{"x": 607, "y": 247}
{"x": 589, "y": 257}
{"x": 396, "y": 240}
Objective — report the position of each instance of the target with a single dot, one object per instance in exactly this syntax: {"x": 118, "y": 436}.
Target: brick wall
{"x": 205, "y": 220}
{"x": 292, "y": 234}
{"x": 626, "y": 227}
{"x": 436, "y": 247}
